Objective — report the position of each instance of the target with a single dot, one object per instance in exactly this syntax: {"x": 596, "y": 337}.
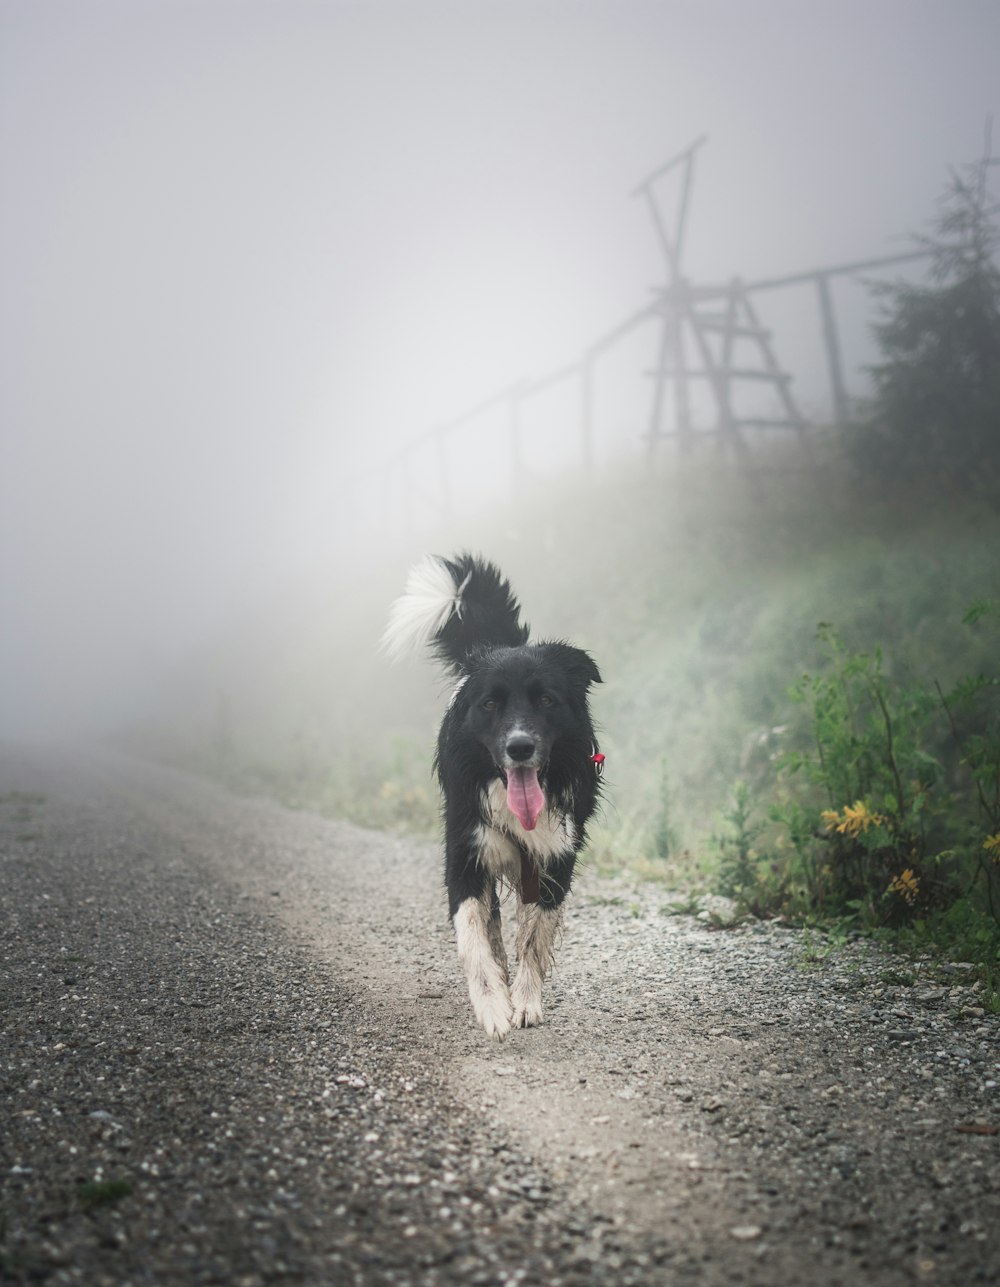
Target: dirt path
{"x": 236, "y": 1048}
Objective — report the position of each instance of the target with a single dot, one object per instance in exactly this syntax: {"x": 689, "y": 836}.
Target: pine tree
{"x": 935, "y": 413}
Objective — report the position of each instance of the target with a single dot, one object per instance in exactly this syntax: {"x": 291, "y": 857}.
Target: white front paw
{"x": 493, "y": 1011}
{"x": 526, "y": 998}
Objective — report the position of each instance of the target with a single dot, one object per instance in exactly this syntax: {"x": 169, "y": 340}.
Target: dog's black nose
{"x": 520, "y": 748}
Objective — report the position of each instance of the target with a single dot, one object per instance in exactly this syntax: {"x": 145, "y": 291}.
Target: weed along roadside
{"x": 888, "y": 811}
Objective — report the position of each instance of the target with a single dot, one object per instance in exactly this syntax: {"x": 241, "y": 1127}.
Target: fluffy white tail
{"x": 423, "y": 610}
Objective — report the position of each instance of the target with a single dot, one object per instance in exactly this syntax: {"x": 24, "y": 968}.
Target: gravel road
{"x": 236, "y": 1049}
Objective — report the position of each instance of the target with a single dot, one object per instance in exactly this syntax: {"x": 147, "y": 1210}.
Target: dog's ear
{"x": 575, "y": 662}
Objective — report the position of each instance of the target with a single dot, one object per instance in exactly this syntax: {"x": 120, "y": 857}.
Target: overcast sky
{"x": 247, "y": 247}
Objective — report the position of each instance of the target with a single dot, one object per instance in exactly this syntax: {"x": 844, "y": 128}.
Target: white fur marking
{"x": 554, "y": 835}
{"x": 456, "y": 690}
{"x": 537, "y": 928}
{"x": 487, "y": 985}
{"x": 497, "y": 853}
{"x": 423, "y": 609}
{"x": 459, "y": 592}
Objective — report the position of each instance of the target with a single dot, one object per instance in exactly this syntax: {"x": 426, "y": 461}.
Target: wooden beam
{"x": 666, "y": 245}
{"x": 837, "y": 270}
{"x": 669, "y": 165}
{"x": 736, "y": 329}
{"x": 831, "y": 341}
{"x": 731, "y": 373}
{"x": 782, "y": 381}
{"x": 683, "y": 209}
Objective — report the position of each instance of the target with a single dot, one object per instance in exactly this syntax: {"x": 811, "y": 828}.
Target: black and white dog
{"x": 519, "y": 769}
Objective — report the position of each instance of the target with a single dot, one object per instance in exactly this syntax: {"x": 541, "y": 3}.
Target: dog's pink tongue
{"x": 525, "y": 797}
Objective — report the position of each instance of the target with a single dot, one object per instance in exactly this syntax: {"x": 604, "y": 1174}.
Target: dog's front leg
{"x": 486, "y": 977}
{"x": 537, "y": 930}
{"x": 470, "y": 853}
{"x": 495, "y": 931}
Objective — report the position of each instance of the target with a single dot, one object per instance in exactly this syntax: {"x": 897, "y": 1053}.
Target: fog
{"x": 249, "y": 249}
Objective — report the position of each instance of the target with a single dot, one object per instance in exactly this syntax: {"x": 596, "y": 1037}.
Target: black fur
{"x": 489, "y": 615}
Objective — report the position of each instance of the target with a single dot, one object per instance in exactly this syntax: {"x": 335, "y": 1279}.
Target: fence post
{"x": 841, "y": 410}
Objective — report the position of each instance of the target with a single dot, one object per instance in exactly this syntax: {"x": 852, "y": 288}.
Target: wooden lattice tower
{"x": 709, "y": 322}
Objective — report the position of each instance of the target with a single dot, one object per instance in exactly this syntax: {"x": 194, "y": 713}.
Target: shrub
{"x": 896, "y": 817}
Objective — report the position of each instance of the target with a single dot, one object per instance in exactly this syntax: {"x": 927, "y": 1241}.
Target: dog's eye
{"x": 546, "y": 700}
{"x": 489, "y": 704}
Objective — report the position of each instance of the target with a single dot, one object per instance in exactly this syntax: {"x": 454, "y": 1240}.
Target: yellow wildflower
{"x": 992, "y": 846}
{"x": 831, "y": 817}
{"x": 907, "y": 885}
{"x": 857, "y": 818}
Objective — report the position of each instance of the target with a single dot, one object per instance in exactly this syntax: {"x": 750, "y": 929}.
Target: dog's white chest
{"x": 500, "y": 842}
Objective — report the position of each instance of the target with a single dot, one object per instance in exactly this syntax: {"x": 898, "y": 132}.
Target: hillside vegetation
{"x": 700, "y": 593}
